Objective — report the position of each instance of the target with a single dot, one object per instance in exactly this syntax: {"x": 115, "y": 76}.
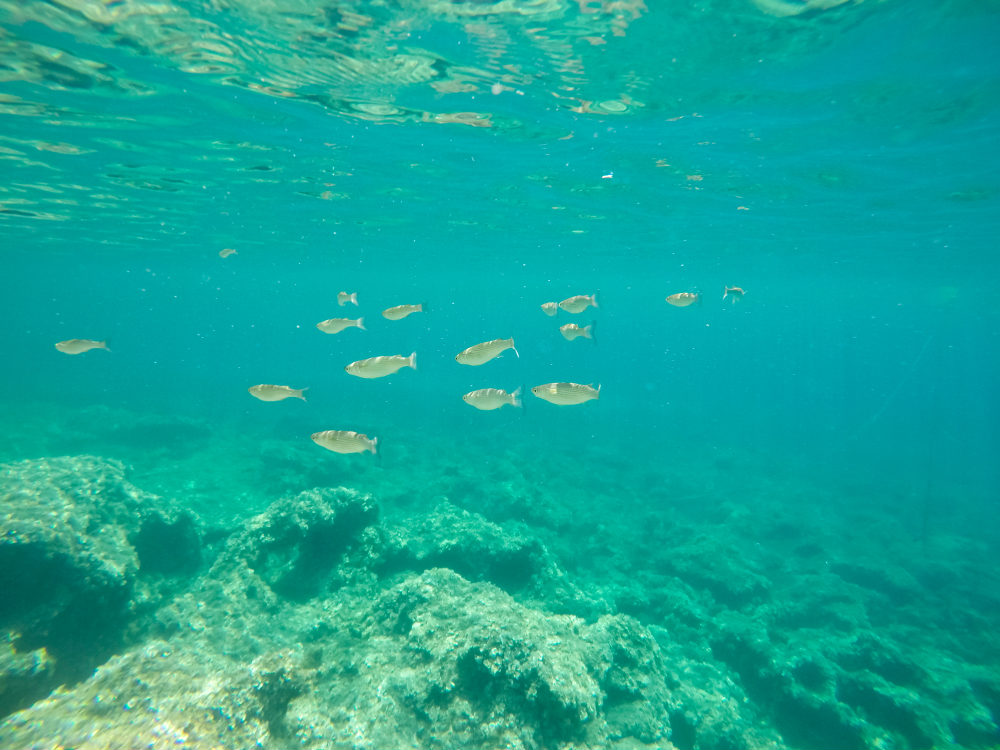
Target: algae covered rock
{"x": 24, "y": 677}
{"x": 320, "y": 626}
{"x": 423, "y": 660}
{"x": 467, "y": 543}
{"x": 75, "y": 539}
{"x": 303, "y": 546}
{"x": 507, "y": 556}
{"x": 154, "y": 696}
{"x": 445, "y": 662}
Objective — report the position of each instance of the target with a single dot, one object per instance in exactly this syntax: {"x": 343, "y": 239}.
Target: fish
{"x": 79, "y": 346}
{"x": 482, "y": 353}
{"x": 276, "y": 392}
{"x": 683, "y": 299}
{"x": 401, "y": 311}
{"x": 550, "y": 308}
{"x": 734, "y": 293}
{"x": 579, "y": 303}
{"x": 379, "y": 367}
{"x": 487, "y": 399}
{"x": 343, "y": 298}
{"x": 572, "y": 331}
{"x": 336, "y": 325}
{"x": 345, "y": 441}
{"x": 226, "y": 252}
{"x": 566, "y": 394}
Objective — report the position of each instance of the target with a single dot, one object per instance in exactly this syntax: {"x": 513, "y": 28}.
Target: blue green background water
{"x": 861, "y": 141}
{"x": 840, "y": 164}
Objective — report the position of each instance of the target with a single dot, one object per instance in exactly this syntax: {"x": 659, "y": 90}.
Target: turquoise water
{"x": 837, "y": 160}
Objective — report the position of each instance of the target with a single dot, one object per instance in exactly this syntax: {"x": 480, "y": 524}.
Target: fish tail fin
{"x": 593, "y": 298}
{"x": 361, "y": 324}
{"x": 725, "y": 291}
{"x": 516, "y": 353}
{"x": 516, "y": 397}
{"x": 424, "y": 307}
{"x": 697, "y": 298}
{"x": 374, "y": 446}
{"x": 301, "y": 393}
{"x": 354, "y": 299}
{"x": 413, "y": 360}
{"x": 591, "y": 331}
{"x": 598, "y": 390}
{"x": 103, "y": 345}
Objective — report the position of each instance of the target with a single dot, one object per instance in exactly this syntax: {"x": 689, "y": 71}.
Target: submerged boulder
{"x": 507, "y": 555}
{"x": 292, "y": 639}
{"x": 306, "y": 545}
{"x": 75, "y": 539}
{"x": 442, "y": 661}
{"x": 467, "y": 543}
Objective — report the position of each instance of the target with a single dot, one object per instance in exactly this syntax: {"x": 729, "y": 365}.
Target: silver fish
{"x": 733, "y": 293}
{"x": 566, "y": 394}
{"x": 79, "y": 346}
{"x": 344, "y": 297}
{"x": 488, "y": 399}
{"x": 267, "y": 392}
{"x": 579, "y": 303}
{"x": 572, "y": 331}
{"x": 379, "y": 367}
{"x": 683, "y": 299}
{"x": 484, "y": 352}
{"x": 401, "y": 311}
{"x": 336, "y": 325}
{"x": 345, "y": 441}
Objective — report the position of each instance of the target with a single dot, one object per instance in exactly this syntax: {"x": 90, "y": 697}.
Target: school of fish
{"x": 484, "y": 399}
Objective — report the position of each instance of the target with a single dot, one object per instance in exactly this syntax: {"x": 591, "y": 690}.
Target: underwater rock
{"x": 838, "y": 687}
{"x": 467, "y": 543}
{"x": 707, "y": 562}
{"x": 480, "y": 550}
{"x": 167, "y": 543}
{"x": 306, "y": 545}
{"x": 24, "y": 677}
{"x": 317, "y": 626}
{"x": 434, "y": 660}
{"x": 74, "y": 541}
{"x": 262, "y": 590}
{"x": 154, "y": 696}
{"x": 445, "y": 662}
